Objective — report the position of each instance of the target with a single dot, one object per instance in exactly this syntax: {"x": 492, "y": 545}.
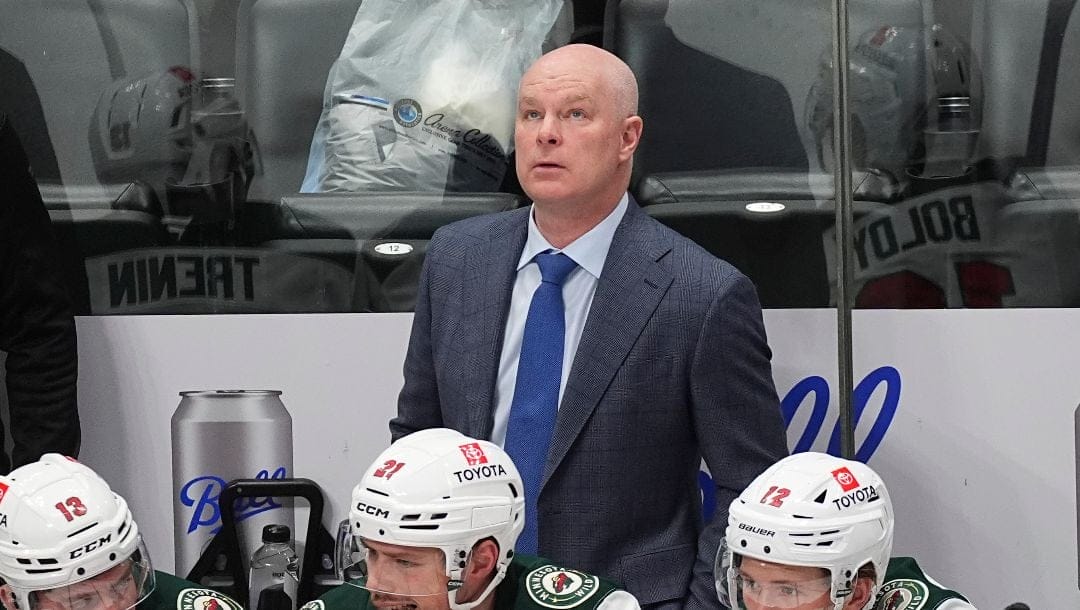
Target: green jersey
{"x": 907, "y": 587}
{"x": 172, "y": 593}
{"x": 531, "y": 583}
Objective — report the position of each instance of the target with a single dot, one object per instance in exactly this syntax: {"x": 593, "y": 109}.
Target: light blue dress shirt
{"x": 589, "y": 251}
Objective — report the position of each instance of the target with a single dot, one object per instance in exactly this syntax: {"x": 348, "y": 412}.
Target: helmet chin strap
{"x": 500, "y": 573}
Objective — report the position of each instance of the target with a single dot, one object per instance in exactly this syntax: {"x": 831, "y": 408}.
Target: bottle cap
{"x": 275, "y": 533}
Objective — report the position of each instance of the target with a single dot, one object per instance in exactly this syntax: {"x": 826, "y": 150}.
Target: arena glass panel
{"x": 172, "y": 140}
{"x": 966, "y": 110}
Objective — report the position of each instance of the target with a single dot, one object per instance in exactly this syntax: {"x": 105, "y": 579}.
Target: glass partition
{"x": 203, "y": 156}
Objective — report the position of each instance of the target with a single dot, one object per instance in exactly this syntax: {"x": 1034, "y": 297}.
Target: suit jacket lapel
{"x": 488, "y": 285}
{"x": 628, "y": 292}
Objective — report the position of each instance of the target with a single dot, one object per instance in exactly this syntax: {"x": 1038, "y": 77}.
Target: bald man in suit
{"x": 664, "y": 356}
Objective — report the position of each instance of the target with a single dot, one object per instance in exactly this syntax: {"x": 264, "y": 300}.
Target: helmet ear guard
{"x": 812, "y": 510}
{"x": 440, "y": 489}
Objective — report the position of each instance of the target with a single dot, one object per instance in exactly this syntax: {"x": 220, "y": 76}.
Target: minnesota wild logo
{"x": 902, "y": 594}
{"x": 554, "y": 587}
{"x": 204, "y": 599}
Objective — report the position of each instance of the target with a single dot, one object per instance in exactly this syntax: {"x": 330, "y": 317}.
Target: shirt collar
{"x": 589, "y": 251}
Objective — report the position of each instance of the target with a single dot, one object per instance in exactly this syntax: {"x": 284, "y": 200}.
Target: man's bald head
{"x": 575, "y": 135}
{"x": 596, "y": 64}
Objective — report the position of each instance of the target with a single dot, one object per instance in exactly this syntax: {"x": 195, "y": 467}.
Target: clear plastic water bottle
{"x": 273, "y": 579}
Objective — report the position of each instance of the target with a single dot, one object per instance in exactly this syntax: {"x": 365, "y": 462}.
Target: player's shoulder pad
{"x": 205, "y": 599}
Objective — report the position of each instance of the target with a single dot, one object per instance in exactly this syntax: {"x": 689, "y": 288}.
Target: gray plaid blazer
{"x": 673, "y": 366}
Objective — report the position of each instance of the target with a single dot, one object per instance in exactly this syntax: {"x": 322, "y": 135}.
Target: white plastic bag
{"x": 423, "y": 95}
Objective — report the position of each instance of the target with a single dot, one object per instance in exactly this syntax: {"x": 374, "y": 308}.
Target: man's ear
{"x": 7, "y": 599}
{"x": 483, "y": 561}
{"x": 631, "y": 136}
{"x": 485, "y": 556}
{"x": 860, "y": 596}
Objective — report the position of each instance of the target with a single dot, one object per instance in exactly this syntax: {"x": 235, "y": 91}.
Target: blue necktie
{"x": 536, "y": 391}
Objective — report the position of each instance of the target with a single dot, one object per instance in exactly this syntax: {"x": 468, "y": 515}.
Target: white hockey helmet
{"x": 141, "y": 128}
{"x": 438, "y": 488}
{"x": 813, "y": 510}
{"x": 907, "y": 83}
{"x": 61, "y": 524}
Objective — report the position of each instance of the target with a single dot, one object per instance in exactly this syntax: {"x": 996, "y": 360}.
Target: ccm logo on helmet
{"x": 480, "y": 472}
{"x": 760, "y": 531}
{"x": 90, "y": 547}
{"x": 859, "y": 496}
{"x": 372, "y": 510}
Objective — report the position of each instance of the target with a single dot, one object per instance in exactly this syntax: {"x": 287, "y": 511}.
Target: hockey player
{"x": 814, "y": 532}
{"x": 434, "y": 521}
{"x": 67, "y": 542}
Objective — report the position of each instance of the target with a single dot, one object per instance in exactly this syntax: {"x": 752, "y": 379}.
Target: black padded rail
{"x": 400, "y": 215}
{"x": 1045, "y": 183}
{"x": 135, "y": 196}
{"x": 760, "y": 184}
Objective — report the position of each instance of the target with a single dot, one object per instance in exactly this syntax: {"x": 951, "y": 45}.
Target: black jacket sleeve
{"x": 37, "y": 328}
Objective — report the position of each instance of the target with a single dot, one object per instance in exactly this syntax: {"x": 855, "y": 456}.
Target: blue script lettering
{"x": 794, "y": 398}
{"x": 891, "y": 378}
{"x": 203, "y": 492}
{"x": 819, "y": 387}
